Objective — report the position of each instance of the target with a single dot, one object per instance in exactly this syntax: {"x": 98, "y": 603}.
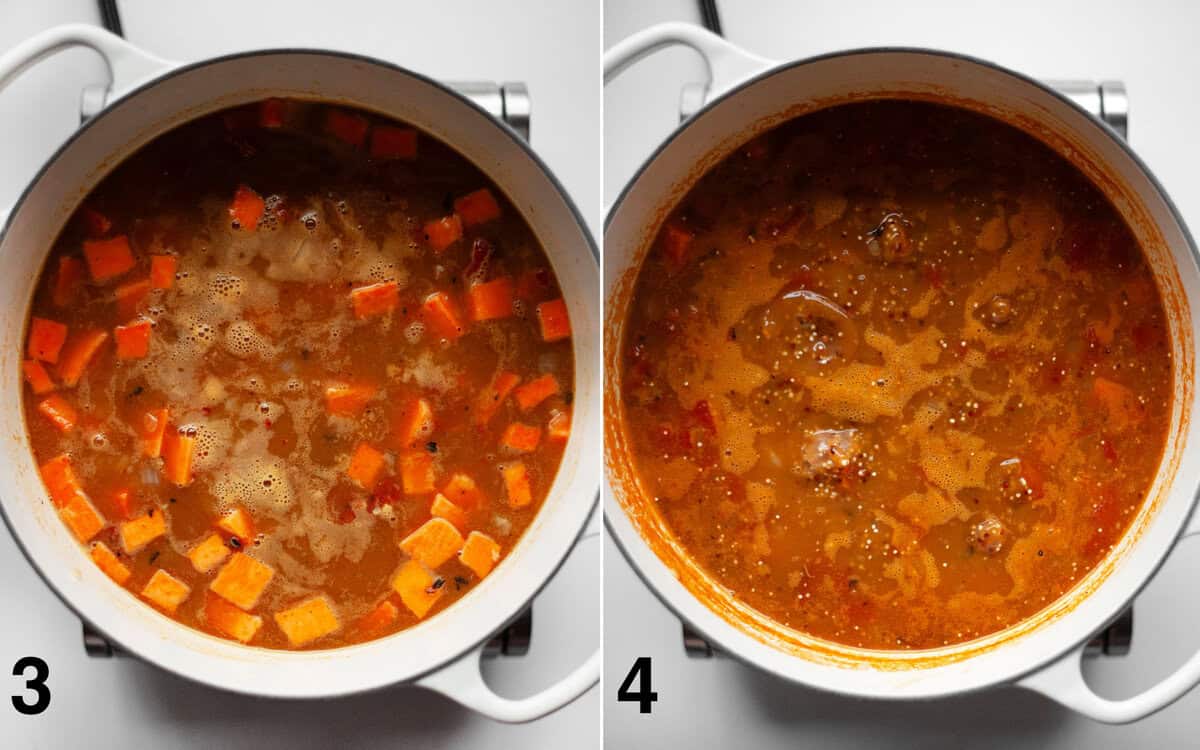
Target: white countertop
{"x": 720, "y": 703}
{"x": 122, "y": 703}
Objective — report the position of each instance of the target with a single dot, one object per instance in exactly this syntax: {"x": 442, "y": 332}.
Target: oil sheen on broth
{"x": 316, "y": 377}
{"x": 896, "y": 374}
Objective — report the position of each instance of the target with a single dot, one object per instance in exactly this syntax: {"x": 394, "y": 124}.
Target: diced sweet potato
{"x": 441, "y": 315}
{"x": 374, "y": 299}
{"x": 477, "y": 207}
{"x": 347, "y": 127}
{"x": 516, "y": 484}
{"x": 80, "y": 348}
{"x": 444, "y": 232}
{"x": 60, "y": 412}
{"x": 413, "y": 425}
{"x": 95, "y": 223}
{"x": 122, "y": 501}
{"x": 129, "y": 297}
{"x": 108, "y": 259}
{"x": 67, "y": 281}
{"x": 109, "y": 563}
{"x": 388, "y": 142}
{"x": 554, "y": 321}
{"x": 61, "y": 482}
{"x": 162, "y": 271}
{"x": 348, "y": 399}
{"x": 228, "y": 619}
{"x": 378, "y": 619}
{"x": 307, "y": 621}
{"x": 491, "y": 300}
{"x": 271, "y": 113}
{"x": 1122, "y": 405}
{"x": 559, "y": 427}
{"x": 493, "y": 397}
{"x": 81, "y": 517}
{"x": 443, "y": 508}
{"x": 139, "y": 532}
{"x": 133, "y": 340}
{"x": 480, "y": 553}
{"x": 535, "y": 391}
{"x": 247, "y": 209}
{"x": 46, "y": 339}
{"x": 39, "y": 380}
{"x": 675, "y": 241}
{"x": 208, "y": 554}
{"x": 166, "y": 591}
{"x": 365, "y": 465}
{"x": 242, "y": 580}
{"x": 154, "y": 429}
{"x": 433, "y": 543}
{"x": 178, "y": 448}
{"x": 416, "y": 472}
{"x": 417, "y": 588}
{"x": 237, "y": 523}
{"x": 463, "y": 492}
{"x": 521, "y": 438}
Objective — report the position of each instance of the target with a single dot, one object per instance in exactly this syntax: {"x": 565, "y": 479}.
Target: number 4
{"x": 644, "y": 697}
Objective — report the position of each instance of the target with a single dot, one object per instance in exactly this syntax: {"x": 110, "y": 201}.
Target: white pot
{"x": 150, "y": 96}
{"x": 748, "y": 95}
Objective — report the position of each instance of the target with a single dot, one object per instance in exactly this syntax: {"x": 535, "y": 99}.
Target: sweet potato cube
{"x": 348, "y": 127}
{"x": 39, "y": 380}
{"x": 521, "y": 438}
{"x": 493, "y": 396}
{"x": 139, "y": 532}
{"x": 108, "y": 562}
{"x": 433, "y": 543}
{"x": 675, "y": 241}
{"x": 491, "y": 300}
{"x": 516, "y": 484}
{"x": 247, "y": 209}
{"x": 154, "y": 429}
{"x": 78, "y": 354}
{"x": 348, "y": 399}
{"x": 307, "y": 621}
{"x": 208, "y": 554}
{"x": 230, "y": 620}
{"x": 60, "y": 412}
{"x": 374, "y": 299}
{"x": 416, "y": 587}
{"x": 46, "y": 339}
{"x": 133, "y": 340}
{"x": 441, "y": 315}
{"x": 96, "y": 223}
{"x": 67, "y": 281}
{"x": 388, "y": 142}
{"x": 242, "y": 580}
{"x": 416, "y": 472}
{"x": 535, "y": 391}
{"x": 272, "y": 113}
{"x": 237, "y": 523}
{"x": 477, "y": 207}
{"x": 166, "y": 591}
{"x": 108, "y": 259}
{"x": 554, "y": 321}
{"x": 82, "y": 518}
{"x": 463, "y": 492}
{"x": 129, "y": 297}
{"x": 162, "y": 271}
{"x": 559, "y": 427}
{"x": 365, "y": 465}
{"x": 61, "y": 482}
{"x": 178, "y": 449}
{"x": 444, "y": 232}
{"x": 379, "y": 619}
{"x": 413, "y": 425}
{"x": 443, "y": 508}
{"x": 480, "y": 553}
{"x": 122, "y": 500}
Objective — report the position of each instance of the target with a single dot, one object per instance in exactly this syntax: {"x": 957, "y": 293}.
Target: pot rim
{"x": 613, "y": 506}
{"x": 123, "y": 98}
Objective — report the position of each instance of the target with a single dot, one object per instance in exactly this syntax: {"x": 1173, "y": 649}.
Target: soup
{"x": 896, "y": 375}
{"x": 298, "y": 376}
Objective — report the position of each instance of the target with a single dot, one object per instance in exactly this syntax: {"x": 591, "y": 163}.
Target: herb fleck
{"x": 431, "y": 446}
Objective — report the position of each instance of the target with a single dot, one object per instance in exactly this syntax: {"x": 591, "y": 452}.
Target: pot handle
{"x": 462, "y": 682}
{"x": 127, "y": 64}
{"x": 1063, "y": 682}
{"x": 727, "y": 63}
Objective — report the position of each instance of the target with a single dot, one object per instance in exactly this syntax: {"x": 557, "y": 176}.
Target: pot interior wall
{"x": 791, "y": 91}
{"x": 191, "y": 92}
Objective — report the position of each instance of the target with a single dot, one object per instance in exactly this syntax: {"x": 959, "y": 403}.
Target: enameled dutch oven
{"x": 150, "y": 96}
{"x": 749, "y": 95}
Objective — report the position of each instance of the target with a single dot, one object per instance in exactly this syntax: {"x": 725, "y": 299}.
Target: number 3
{"x": 644, "y": 697}
{"x": 37, "y": 684}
